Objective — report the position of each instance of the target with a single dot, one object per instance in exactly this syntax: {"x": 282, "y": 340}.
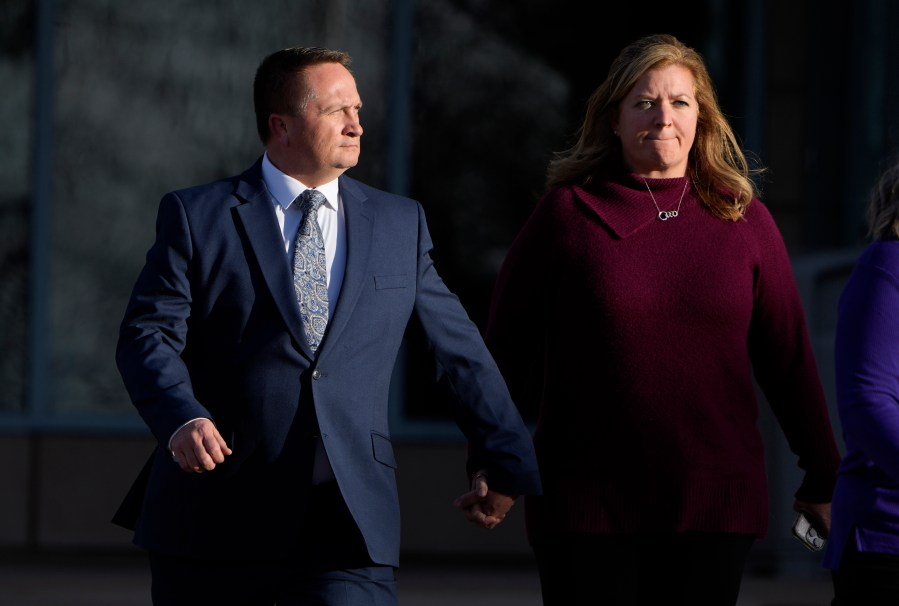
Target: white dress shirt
{"x": 332, "y": 221}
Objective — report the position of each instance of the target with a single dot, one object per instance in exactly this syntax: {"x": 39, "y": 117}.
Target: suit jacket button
{"x": 316, "y": 374}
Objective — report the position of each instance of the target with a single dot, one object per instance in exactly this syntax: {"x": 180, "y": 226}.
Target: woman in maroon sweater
{"x": 630, "y": 315}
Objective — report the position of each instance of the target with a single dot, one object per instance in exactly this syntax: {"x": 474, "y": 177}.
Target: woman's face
{"x": 657, "y": 122}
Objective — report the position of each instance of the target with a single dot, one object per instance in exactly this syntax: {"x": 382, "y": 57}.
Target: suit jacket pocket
{"x": 382, "y": 449}
{"x": 384, "y": 282}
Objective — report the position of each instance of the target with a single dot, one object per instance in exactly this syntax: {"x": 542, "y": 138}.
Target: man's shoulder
{"x": 216, "y": 188}
{"x": 249, "y": 182}
{"x": 365, "y": 191}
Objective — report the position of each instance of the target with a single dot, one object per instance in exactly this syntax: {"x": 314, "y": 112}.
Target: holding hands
{"x": 481, "y": 506}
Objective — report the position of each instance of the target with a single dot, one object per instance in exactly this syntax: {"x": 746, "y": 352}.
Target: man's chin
{"x": 347, "y": 164}
{"x": 349, "y": 155}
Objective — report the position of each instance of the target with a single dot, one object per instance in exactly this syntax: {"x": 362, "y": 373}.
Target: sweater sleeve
{"x": 867, "y": 361}
{"x": 784, "y": 362}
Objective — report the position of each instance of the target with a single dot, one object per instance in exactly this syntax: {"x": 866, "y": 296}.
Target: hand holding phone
{"x": 809, "y": 531}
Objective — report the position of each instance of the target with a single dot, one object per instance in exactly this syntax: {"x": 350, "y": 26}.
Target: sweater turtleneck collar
{"x": 625, "y": 205}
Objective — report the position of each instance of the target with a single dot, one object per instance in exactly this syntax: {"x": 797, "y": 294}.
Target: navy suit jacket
{"x": 213, "y": 330}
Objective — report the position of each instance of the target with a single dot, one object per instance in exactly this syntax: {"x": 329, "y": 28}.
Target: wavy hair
{"x": 717, "y": 166}
{"x": 883, "y": 204}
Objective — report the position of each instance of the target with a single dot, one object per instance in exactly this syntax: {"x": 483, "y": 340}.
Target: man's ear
{"x": 277, "y": 128}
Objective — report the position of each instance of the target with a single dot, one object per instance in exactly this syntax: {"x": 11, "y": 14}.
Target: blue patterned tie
{"x": 310, "y": 269}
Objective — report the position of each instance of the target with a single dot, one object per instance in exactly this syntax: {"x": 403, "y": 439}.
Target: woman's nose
{"x": 663, "y": 117}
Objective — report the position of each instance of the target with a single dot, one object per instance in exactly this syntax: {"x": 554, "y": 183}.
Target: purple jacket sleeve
{"x": 867, "y": 360}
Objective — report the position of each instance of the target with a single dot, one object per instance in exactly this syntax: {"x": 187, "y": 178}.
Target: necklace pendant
{"x": 664, "y": 215}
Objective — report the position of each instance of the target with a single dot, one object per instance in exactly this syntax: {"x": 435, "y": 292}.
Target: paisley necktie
{"x": 310, "y": 269}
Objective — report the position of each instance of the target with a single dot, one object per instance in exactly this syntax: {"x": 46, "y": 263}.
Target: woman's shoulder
{"x": 561, "y": 192}
{"x": 758, "y": 223}
{"x": 877, "y": 268}
{"x": 883, "y": 254}
{"x": 558, "y": 198}
{"x": 758, "y": 211}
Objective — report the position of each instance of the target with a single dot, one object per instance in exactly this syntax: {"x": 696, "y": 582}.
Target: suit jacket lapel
{"x": 359, "y": 225}
{"x": 257, "y": 216}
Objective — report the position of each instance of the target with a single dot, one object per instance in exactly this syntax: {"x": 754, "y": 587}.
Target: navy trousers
{"x": 331, "y": 568}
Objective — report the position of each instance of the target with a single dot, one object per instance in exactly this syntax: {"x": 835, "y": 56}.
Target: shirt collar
{"x": 285, "y": 189}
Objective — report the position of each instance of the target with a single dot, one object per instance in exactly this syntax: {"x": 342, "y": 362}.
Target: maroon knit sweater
{"x": 635, "y": 341}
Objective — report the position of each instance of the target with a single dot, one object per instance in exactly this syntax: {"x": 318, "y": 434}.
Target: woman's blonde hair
{"x": 717, "y": 167}
{"x": 883, "y": 205}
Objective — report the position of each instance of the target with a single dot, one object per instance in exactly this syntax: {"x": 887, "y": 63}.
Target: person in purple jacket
{"x": 863, "y": 548}
{"x": 631, "y": 314}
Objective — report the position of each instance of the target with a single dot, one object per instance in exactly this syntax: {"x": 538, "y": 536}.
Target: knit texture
{"x": 634, "y": 341}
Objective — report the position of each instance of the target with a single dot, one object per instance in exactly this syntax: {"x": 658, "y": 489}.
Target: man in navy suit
{"x": 274, "y": 481}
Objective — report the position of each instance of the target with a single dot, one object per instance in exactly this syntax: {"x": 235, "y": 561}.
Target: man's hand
{"x": 481, "y": 506}
{"x": 198, "y": 446}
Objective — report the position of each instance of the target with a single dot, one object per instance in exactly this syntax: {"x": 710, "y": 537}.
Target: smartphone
{"x": 809, "y": 531}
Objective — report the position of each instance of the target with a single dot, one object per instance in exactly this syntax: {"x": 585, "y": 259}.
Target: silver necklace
{"x": 664, "y": 215}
